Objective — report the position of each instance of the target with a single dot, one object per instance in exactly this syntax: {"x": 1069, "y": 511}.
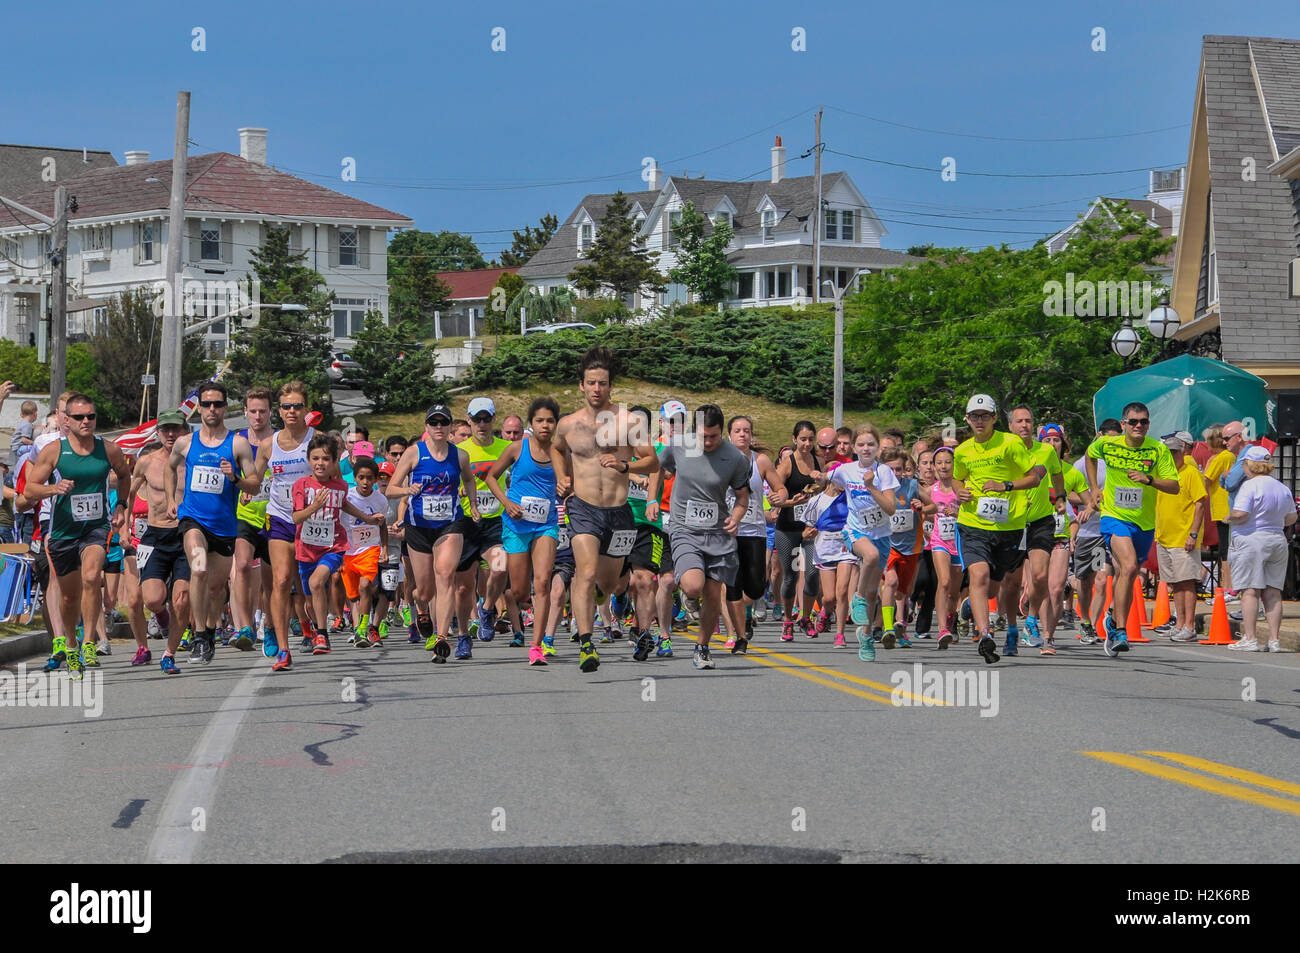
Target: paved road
{"x": 793, "y": 752}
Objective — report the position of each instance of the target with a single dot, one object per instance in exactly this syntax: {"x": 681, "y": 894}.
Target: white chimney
{"x": 656, "y": 180}
{"x": 778, "y": 161}
{"x": 252, "y": 144}
{"x": 137, "y": 157}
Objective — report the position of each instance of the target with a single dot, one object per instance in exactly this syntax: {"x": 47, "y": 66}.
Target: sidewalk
{"x": 1289, "y": 637}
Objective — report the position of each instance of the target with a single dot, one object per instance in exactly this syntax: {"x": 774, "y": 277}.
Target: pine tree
{"x": 530, "y": 241}
{"x": 616, "y": 259}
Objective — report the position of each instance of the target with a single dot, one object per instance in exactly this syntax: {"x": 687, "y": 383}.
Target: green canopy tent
{"x": 1190, "y": 393}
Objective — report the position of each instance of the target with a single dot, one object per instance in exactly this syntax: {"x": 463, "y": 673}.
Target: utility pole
{"x": 59, "y": 278}
{"x": 173, "y": 338}
{"x": 817, "y": 214}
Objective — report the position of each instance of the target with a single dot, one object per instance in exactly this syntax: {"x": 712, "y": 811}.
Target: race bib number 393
{"x": 318, "y": 532}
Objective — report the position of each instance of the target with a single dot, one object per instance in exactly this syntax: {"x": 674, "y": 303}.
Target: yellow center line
{"x": 1228, "y": 771}
{"x": 879, "y": 686}
{"x": 1222, "y": 788}
{"x": 820, "y": 681}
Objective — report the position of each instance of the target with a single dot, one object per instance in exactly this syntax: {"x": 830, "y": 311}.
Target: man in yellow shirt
{"x": 1180, "y": 517}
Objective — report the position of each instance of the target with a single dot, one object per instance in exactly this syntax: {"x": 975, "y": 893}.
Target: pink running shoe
{"x": 731, "y": 643}
{"x": 839, "y": 640}
{"x": 819, "y": 624}
{"x": 787, "y": 631}
{"x": 142, "y": 656}
{"x": 536, "y": 656}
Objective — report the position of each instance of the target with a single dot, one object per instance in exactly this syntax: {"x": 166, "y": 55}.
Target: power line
{"x": 967, "y": 135}
{"x": 994, "y": 175}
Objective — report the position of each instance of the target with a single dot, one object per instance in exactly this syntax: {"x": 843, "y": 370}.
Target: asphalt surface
{"x": 793, "y": 752}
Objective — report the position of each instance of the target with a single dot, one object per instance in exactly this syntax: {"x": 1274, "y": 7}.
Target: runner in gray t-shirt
{"x": 701, "y": 526}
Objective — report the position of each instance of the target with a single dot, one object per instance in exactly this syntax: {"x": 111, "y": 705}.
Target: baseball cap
{"x": 1258, "y": 454}
{"x": 481, "y": 405}
{"x": 439, "y": 410}
{"x": 982, "y": 402}
{"x": 671, "y": 409}
{"x": 386, "y": 468}
{"x": 314, "y": 417}
{"x": 173, "y": 418}
{"x": 363, "y": 448}
{"x": 1178, "y": 440}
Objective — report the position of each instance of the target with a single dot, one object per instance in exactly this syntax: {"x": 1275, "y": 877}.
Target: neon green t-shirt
{"x": 1000, "y": 458}
{"x": 1121, "y": 498}
{"x": 1039, "y": 499}
{"x": 481, "y": 459}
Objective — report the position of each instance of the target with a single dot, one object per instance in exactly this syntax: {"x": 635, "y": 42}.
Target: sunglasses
{"x": 298, "y": 406}
{"x": 481, "y": 418}
{"x": 1138, "y": 421}
{"x": 980, "y": 415}
{"x": 82, "y": 416}
{"x": 438, "y": 422}
{"x": 213, "y": 403}
{"x": 825, "y": 449}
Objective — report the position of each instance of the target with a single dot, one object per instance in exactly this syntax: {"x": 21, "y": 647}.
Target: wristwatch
{"x": 626, "y": 466}
{"x": 1008, "y": 485}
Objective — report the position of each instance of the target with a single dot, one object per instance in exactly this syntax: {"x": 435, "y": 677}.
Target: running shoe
{"x": 787, "y": 631}
{"x": 283, "y": 661}
{"x": 760, "y": 610}
{"x": 526, "y": 616}
{"x": 1009, "y": 647}
{"x": 887, "y": 639}
{"x": 945, "y": 640}
{"x": 820, "y": 620}
{"x": 1048, "y": 647}
{"x": 680, "y": 621}
{"x": 75, "y": 667}
{"x": 90, "y": 654}
{"x": 196, "y": 649}
{"x": 270, "y": 646}
{"x": 607, "y": 635}
{"x": 739, "y": 646}
{"x": 1116, "y": 641}
{"x": 548, "y": 645}
{"x": 749, "y": 626}
{"x": 359, "y": 641}
{"x": 1274, "y": 645}
{"x": 464, "y": 648}
{"x": 413, "y": 634}
{"x": 424, "y": 625}
{"x": 518, "y": 641}
{"x": 701, "y": 658}
{"x": 153, "y": 628}
{"x": 320, "y": 645}
{"x": 473, "y": 629}
{"x": 839, "y": 640}
{"x": 244, "y": 639}
{"x": 999, "y": 622}
{"x": 169, "y": 666}
{"x": 1183, "y": 635}
{"x": 1087, "y": 634}
{"x": 106, "y": 647}
{"x": 903, "y": 641}
{"x": 692, "y": 607}
{"x": 306, "y": 643}
{"x": 372, "y": 635}
{"x": 575, "y": 638}
{"x": 730, "y": 644}
{"x": 1245, "y": 645}
{"x": 643, "y": 647}
{"x": 859, "y": 611}
{"x": 58, "y": 653}
{"x": 142, "y": 656}
{"x": 441, "y": 652}
{"x": 877, "y": 635}
{"x": 187, "y": 638}
{"x": 536, "y": 656}
{"x": 809, "y": 627}
{"x": 487, "y": 623}
{"x": 778, "y": 610}
{"x": 431, "y": 642}
{"x": 383, "y": 630}
{"x": 588, "y": 660}
{"x": 1032, "y": 637}
{"x": 664, "y": 647}
{"x": 866, "y": 645}
{"x": 988, "y": 649}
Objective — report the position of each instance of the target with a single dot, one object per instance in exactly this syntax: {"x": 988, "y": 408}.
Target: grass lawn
{"x": 773, "y": 422}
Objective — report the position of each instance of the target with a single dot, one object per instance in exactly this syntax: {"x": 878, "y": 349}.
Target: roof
{"x": 473, "y": 285}
{"x": 86, "y": 304}
{"x": 560, "y": 254}
{"x": 1151, "y": 211}
{"x": 218, "y": 183}
{"x": 1255, "y": 222}
{"x": 21, "y": 167}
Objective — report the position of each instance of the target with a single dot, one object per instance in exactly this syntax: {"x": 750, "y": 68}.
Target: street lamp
{"x": 838, "y": 293}
{"x": 1124, "y": 342}
{"x": 1163, "y": 323}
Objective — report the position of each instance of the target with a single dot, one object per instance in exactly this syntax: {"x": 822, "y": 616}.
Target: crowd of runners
{"x": 613, "y": 522}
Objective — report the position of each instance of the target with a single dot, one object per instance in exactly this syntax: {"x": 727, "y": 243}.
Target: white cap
{"x": 1258, "y": 454}
{"x": 982, "y": 402}
{"x": 481, "y": 405}
{"x": 671, "y": 409}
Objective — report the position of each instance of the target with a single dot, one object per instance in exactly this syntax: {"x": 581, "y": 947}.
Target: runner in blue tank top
{"x": 429, "y": 474}
{"x": 214, "y": 460}
{"x": 530, "y": 527}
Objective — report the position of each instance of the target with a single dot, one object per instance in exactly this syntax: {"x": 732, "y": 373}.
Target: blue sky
{"x": 439, "y": 124}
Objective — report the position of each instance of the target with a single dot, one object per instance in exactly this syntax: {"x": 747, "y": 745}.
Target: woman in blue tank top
{"x": 530, "y": 528}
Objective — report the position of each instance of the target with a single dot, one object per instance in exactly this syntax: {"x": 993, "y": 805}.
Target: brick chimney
{"x": 252, "y": 144}
{"x": 778, "y": 161}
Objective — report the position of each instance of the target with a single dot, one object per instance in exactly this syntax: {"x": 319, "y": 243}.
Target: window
{"x": 832, "y": 224}
{"x": 783, "y": 284}
{"x": 146, "y": 242}
{"x": 349, "y": 316}
{"x": 13, "y": 252}
{"x": 98, "y": 238}
{"x": 44, "y": 245}
{"x": 674, "y": 220}
{"x": 1212, "y": 271}
{"x": 846, "y": 225}
{"x": 769, "y": 223}
{"x": 584, "y": 236}
{"x": 349, "y": 243}
{"x": 1170, "y": 181}
{"x": 210, "y": 241}
{"x": 745, "y": 285}
{"x": 720, "y": 217}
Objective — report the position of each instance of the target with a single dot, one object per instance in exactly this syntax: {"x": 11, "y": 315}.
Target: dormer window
{"x": 721, "y": 216}
{"x": 674, "y": 220}
{"x": 769, "y": 223}
{"x": 584, "y": 236}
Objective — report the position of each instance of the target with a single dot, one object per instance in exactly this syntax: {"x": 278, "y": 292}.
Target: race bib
{"x": 947, "y": 528}
{"x": 264, "y": 493}
{"x": 993, "y": 509}
{"x": 438, "y": 507}
{"x": 902, "y": 521}
{"x": 389, "y": 578}
{"x": 139, "y": 526}
{"x": 488, "y": 504}
{"x": 1058, "y": 524}
{"x": 142, "y": 554}
{"x": 318, "y": 532}
{"x": 35, "y": 546}
{"x": 636, "y": 491}
{"x": 1129, "y": 497}
{"x": 365, "y": 535}
{"x": 621, "y": 542}
{"x": 873, "y": 517}
{"x": 87, "y": 506}
{"x": 702, "y": 514}
{"x": 284, "y": 495}
{"x": 563, "y": 542}
{"x": 755, "y": 512}
{"x": 207, "y": 480}
{"x": 799, "y": 510}
{"x": 536, "y": 508}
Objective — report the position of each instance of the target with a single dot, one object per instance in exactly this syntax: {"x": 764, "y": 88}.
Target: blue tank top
{"x": 435, "y": 507}
{"x": 532, "y": 486}
{"x": 834, "y": 517}
{"x": 209, "y": 497}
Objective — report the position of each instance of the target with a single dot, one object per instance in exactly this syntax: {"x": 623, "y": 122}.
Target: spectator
{"x": 7, "y": 505}
{"x": 1180, "y": 517}
{"x": 1219, "y": 463}
{"x": 1263, "y": 507}
{"x": 1235, "y": 442}
{"x": 24, "y": 432}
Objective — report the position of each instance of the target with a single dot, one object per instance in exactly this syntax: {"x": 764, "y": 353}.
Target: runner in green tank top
{"x": 80, "y": 525}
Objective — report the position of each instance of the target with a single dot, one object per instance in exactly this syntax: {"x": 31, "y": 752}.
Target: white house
{"x": 773, "y": 223}
{"x": 117, "y": 238}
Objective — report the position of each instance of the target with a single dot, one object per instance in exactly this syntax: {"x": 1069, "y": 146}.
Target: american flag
{"x": 135, "y": 440}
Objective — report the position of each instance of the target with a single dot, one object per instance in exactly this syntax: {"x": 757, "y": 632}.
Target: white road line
{"x": 175, "y": 841}
{"x": 1244, "y": 657}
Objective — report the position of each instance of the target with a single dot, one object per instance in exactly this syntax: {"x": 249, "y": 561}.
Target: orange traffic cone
{"x": 1160, "y": 614}
{"x": 1220, "y": 631}
{"x": 1137, "y": 612}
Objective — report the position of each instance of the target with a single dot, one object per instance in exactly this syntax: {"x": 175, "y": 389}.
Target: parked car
{"x": 342, "y": 370}
{"x": 568, "y": 326}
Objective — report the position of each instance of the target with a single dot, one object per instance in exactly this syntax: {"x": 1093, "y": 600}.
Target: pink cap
{"x": 363, "y": 448}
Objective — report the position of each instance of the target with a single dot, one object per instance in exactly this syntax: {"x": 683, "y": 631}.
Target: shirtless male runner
{"x": 592, "y": 453}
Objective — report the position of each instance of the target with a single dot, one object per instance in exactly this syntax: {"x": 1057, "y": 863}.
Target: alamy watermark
{"x": 1098, "y": 299}
{"x": 40, "y": 689}
{"x": 957, "y": 688}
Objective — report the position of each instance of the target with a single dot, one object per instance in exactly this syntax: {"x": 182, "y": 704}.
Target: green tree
{"x": 447, "y": 251}
{"x": 530, "y": 241}
{"x": 417, "y": 293}
{"x": 398, "y": 374}
{"x": 616, "y": 260}
{"x": 922, "y": 339}
{"x": 506, "y": 289}
{"x": 702, "y": 264}
{"x": 285, "y": 345}
{"x": 544, "y": 306}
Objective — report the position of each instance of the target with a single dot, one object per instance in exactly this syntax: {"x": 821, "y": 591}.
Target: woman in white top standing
{"x": 1257, "y": 547}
